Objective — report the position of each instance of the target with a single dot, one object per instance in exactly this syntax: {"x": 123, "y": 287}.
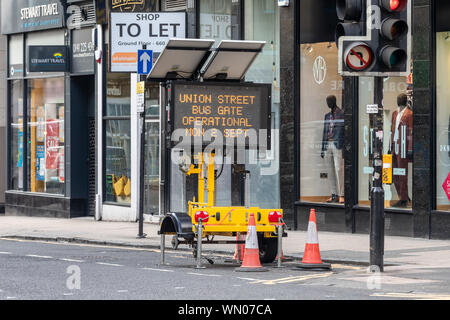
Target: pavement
{"x": 400, "y": 252}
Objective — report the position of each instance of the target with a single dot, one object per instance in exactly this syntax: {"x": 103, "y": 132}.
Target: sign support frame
{"x": 141, "y": 234}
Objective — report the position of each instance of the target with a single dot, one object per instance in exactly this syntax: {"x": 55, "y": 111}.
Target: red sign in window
{"x": 446, "y": 186}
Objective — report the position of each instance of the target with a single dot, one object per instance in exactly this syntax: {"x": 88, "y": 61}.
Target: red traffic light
{"x": 394, "y": 5}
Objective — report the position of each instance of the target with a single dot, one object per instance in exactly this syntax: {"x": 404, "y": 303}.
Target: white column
{"x": 100, "y": 88}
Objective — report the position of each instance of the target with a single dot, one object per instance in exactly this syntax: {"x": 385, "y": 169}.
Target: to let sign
{"x": 224, "y": 110}
{"x": 131, "y": 31}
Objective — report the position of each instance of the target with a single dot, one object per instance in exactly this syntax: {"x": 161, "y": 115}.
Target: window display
{"x": 322, "y": 125}
{"x": 46, "y": 135}
{"x": 398, "y": 140}
{"x": 215, "y": 20}
{"x": 332, "y": 149}
{"x": 263, "y": 23}
{"x": 118, "y": 139}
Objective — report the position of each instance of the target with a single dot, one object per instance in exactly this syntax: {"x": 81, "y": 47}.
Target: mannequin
{"x": 401, "y": 147}
{"x": 332, "y": 149}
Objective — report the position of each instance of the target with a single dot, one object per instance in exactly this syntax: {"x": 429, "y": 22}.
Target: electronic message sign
{"x": 210, "y": 111}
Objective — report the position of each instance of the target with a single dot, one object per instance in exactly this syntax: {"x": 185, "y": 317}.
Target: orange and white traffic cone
{"x": 251, "y": 261}
{"x": 311, "y": 256}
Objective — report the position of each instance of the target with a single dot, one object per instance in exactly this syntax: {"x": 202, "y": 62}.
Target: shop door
{"x": 83, "y": 142}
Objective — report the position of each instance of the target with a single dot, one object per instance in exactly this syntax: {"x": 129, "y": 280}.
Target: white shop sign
{"x": 130, "y": 31}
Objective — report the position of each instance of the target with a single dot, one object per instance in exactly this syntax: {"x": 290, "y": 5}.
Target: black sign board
{"x": 83, "y": 53}
{"x": 20, "y": 16}
{"x": 235, "y": 112}
{"x": 47, "y": 59}
{"x": 132, "y": 5}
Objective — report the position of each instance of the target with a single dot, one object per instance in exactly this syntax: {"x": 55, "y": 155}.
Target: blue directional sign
{"x": 145, "y": 61}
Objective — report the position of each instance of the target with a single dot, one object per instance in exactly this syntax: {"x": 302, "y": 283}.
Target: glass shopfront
{"x": 443, "y": 121}
{"x": 152, "y": 151}
{"x": 322, "y": 125}
{"x": 46, "y": 135}
{"x": 397, "y": 143}
{"x": 262, "y": 23}
{"x": 16, "y": 136}
{"x": 216, "y": 20}
{"x": 118, "y": 139}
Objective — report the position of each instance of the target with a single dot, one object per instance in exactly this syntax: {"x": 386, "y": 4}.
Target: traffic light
{"x": 374, "y": 37}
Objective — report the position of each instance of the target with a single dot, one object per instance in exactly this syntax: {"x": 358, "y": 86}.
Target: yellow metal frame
{"x": 224, "y": 221}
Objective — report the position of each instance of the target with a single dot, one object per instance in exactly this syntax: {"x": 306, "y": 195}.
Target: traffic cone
{"x": 251, "y": 261}
{"x": 239, "y": 247}
{"x": 311, "y": 256}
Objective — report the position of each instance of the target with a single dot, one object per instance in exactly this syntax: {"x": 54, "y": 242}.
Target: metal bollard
{"x": 163, "y": 248}
{"x": 199, "y": 245}
{"x": 239, "y": 247}
{"x": 280, "y": 244}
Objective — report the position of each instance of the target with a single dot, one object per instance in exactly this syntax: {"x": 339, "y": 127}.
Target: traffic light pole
{"x": 141, "y": 234}
{"x": 377, "y": 217}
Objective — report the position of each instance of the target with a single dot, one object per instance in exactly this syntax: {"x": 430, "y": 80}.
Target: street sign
{"x": 129, "y": 32}
{"x": 372, "y": 108}
{"x": 145, "y": 62}
{"x": 387, "y": 168}
{"x": 227, "y": 110}
{"x": 140, "y": 101}
{"x": 359, "y": 57}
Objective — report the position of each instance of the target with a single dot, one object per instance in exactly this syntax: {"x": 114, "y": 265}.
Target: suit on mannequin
{"x": 401, "y": 147}
{"x": 332, "y": 149}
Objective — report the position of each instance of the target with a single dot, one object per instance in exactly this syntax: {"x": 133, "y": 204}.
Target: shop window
{"x": 262, "y": 23}
{"x": 118, "y": 163}
{"x": 398, "y": 140}
{"x": 151, "y": 205}
{"x": 443, "y": 121}
{"x": 322, "y": 125}
{"x": 217, "y": 20}
{"x": 152, "y": 150}
{"x": 118, "y": 139}
{"x": 16, "y": 138}
{"x": 46, "y": 161}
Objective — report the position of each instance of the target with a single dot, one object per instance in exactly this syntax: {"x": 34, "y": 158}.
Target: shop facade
{"x": 49, "y": 106}
{"x": 333, "y": 165}
{"x": 74, "y": 132}
{"x": 218, "y": 20}
{"x": 89, "y": 113}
